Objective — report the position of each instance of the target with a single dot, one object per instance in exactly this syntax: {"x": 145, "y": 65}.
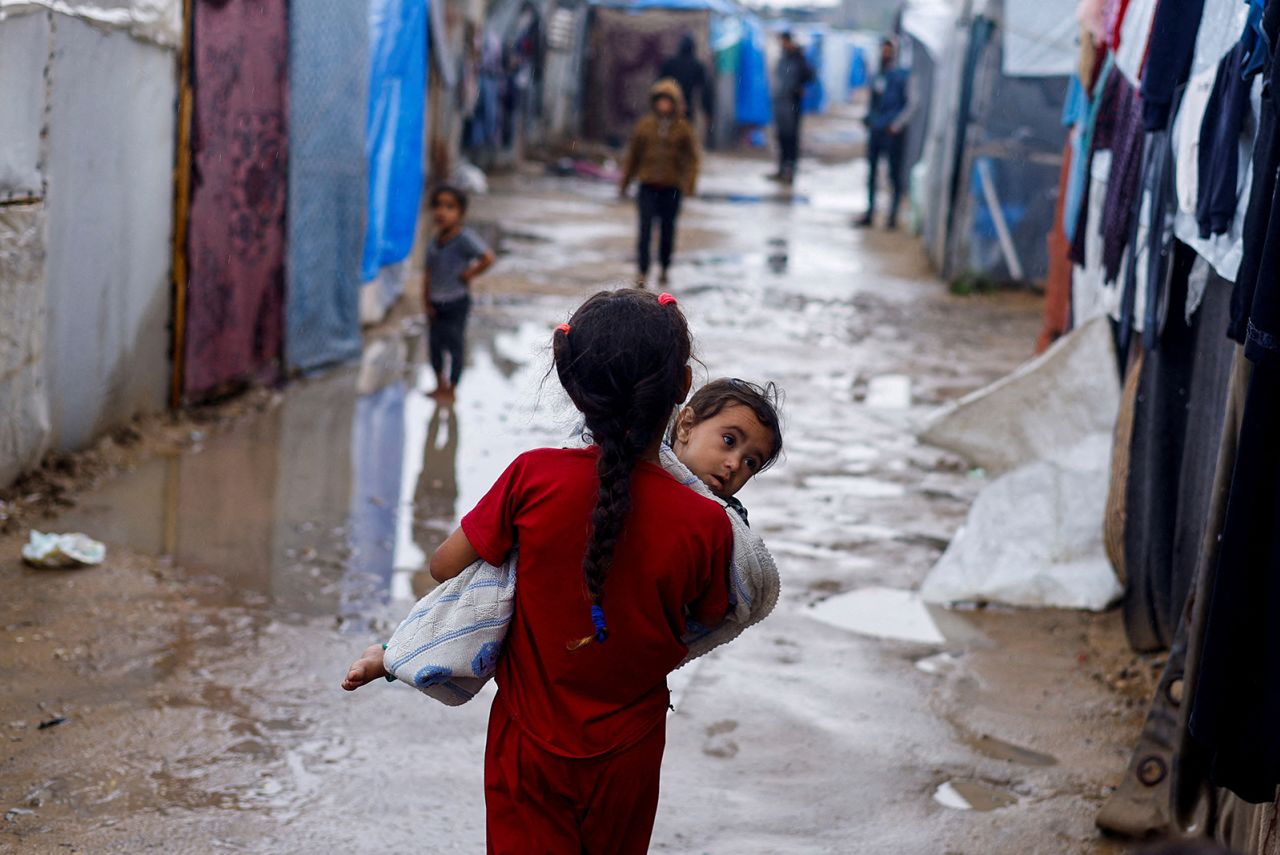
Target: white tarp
{"x": 1033, "y": 537}
{"x": 933, "y": 22}
{"x": 158, "y": 21}
{"x": 1051, "y": 403}
{"x": 1040, "y": 38}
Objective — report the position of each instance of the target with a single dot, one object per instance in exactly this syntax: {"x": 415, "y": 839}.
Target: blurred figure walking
{"x": 792, "y": 75}
{"x": 686, "y": 69}
{"x": 891, "y": 109}
{"x": 663, "y": 156}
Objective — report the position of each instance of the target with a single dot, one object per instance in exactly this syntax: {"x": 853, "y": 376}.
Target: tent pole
{"x": 181, "y": 206}
{"x": 983, "y": 165}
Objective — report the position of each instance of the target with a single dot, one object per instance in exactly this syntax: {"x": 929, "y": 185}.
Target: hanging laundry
{"x": 1236, "y": 700}
{"x": 1173, "y": 44}
{"x": 1126, "y": 138}
{"x": 1219, "y": 156}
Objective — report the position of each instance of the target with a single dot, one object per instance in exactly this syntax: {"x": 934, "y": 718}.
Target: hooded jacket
{"x": 663, "y": 151}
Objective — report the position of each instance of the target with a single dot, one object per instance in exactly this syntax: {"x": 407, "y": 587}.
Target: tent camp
{"x": 987, "y": 180}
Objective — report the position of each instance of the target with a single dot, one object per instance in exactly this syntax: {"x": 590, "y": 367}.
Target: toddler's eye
{"x": 728, "y": 439}
{"x": 751, "y": 463}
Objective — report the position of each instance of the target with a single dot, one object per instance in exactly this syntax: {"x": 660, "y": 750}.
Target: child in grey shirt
{"x": 454, "y": 258}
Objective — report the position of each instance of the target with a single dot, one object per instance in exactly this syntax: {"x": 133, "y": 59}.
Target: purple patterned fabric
{"x": 1127, "y": 133}
{"x": 235, "y": 240}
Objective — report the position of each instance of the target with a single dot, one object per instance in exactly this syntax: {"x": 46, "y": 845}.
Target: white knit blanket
{"x": 448, "y": 646}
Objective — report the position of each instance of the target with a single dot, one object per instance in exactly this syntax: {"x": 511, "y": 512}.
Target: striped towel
{"x": 449, "y": 644}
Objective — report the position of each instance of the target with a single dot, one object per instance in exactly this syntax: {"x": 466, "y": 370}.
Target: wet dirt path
{"x": 197, "y": 672}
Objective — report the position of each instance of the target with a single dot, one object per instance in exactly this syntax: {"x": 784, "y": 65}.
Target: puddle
{"x": 883, "y": 613}
{"x": 889, "y": 392}
{"x": 972, "y": 795}
{"x": 857, "y": 486}
{"x": 998, "y": 749}
{"x": 330, "y": 502}
{"x": 756, "y": 198}
{"x": 939, "y": 664}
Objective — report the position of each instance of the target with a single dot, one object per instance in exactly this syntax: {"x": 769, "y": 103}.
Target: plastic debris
{"x": 63, "y": 550}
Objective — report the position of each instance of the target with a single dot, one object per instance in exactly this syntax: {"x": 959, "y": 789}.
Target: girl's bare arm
{"x": 452, "y": 557}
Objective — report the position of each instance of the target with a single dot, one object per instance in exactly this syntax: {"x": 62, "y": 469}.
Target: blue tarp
{"x": 752, "y": 103}
{"x": 858, "y": 69}
{"x": 328, "y": 91}
{"x": 815, "y": 96}
{"x": 393, "y": 132}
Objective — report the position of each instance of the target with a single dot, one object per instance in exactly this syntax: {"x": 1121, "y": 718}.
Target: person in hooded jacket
{"x": 663, "y": 156}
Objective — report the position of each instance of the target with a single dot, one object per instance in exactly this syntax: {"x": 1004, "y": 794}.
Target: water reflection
{"x": 330, "y": 501}
{"x": 435, "y": 498}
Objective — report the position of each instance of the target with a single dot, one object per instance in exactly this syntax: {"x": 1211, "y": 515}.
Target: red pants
{"x": 540, "y": 803}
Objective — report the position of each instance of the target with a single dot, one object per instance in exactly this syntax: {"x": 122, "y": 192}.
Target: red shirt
{"x": 674, "y": 555}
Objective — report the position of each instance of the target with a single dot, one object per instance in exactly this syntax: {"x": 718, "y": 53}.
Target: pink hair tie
{"x": 665, "y": 299}
{"x": 564, "y": 328}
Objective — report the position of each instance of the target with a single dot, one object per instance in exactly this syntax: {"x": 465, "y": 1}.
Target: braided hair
{"x": 622, "y": 359}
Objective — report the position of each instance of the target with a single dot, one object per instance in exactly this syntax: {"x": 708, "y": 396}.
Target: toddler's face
{"x": 446, "y": 212}
{"x": 725, "y": 450}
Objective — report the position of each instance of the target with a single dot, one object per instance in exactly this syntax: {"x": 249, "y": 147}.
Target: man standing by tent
{"x": 887, "y": 119}
{"x": 686, "y": 69}
{"x": 792, "y": 75}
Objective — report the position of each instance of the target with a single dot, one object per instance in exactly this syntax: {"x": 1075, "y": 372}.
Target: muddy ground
{"x": 184, "y": 696}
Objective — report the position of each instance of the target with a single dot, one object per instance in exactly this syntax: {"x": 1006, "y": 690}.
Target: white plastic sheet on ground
{"x": 1034, "y": 535}
{"x": 1045, "y": 406}
{"x": 62, "y": 551}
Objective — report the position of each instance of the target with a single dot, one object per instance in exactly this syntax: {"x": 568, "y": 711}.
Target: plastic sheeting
{"x": 158, "y": 21}
{"x": 236, "y": 232}
{"x": 328, "y": 93}
{"x": 1033, "y": 537}
{"x": 993, "y": 157}
{"x": 397, "y": 96}
{"x": 24, "y": 407}
{"x": 1040, "y": 38}
{"x": 1055, "y": 401}
{"x": 752, "y": 104}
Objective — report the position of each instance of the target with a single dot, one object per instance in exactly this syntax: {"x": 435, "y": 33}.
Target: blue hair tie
{"x": 597, "y": 618}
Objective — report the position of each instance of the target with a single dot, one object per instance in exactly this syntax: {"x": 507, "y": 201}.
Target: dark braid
{"x": 622, "y": 361}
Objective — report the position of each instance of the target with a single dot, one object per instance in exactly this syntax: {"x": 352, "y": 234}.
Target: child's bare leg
{"x": 366, "y": 669}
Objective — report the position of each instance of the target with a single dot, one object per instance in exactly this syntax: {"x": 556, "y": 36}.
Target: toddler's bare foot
{"x": 366, "y": 669}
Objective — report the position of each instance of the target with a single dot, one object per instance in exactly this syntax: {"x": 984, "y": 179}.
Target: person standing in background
{"x": 793, "y": 74}
{"x": 663, "y": 156}
{"x": 891, "y": 109}
{"x": 686, "y": 69}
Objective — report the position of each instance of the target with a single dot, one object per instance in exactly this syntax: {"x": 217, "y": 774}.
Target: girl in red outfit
{"x": 615, "y": 555}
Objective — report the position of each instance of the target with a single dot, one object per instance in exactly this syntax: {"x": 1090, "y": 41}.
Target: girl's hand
{"x": 366, "y": 669}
